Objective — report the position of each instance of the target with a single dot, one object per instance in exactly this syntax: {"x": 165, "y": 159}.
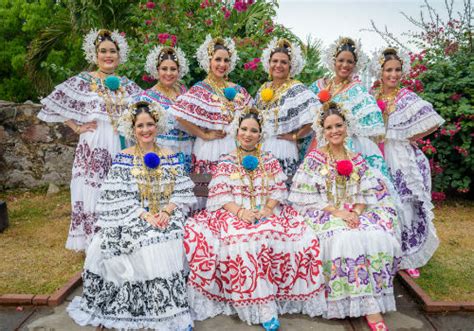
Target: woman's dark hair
{"x": 331, "y": 108}
{"x": 168, "y": 54}
{"x": 347, "y": 45}
{"x": 283, "y": 47}
{"x": 252, "y": 113}
{"x": 139, "y": 108}
{"x": 391, "y": 54}
{"x": 220, "y": 46}
{"x": 103, "y": 36}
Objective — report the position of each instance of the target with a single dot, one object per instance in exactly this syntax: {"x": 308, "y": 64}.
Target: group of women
{"x": 323, "y": 235}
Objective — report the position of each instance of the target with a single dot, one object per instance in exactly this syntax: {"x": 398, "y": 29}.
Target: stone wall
{"x": 33, "y": 153}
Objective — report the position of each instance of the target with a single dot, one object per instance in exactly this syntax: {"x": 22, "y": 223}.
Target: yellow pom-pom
{"x": 266, "y": 94}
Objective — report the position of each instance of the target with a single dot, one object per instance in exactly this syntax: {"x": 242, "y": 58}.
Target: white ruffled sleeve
{"x": 220, "y": 188}
{"x": 412, "y": 116}
{"x": 276, "y": 180}
{"x": 183, "y": 194}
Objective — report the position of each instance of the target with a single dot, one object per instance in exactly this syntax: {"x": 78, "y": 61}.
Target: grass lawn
{"x": 449, "y": 276}
{"x": 34, "y": 259}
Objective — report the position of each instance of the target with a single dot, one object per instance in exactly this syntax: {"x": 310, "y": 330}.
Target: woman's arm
{"x": 199, "y": 132}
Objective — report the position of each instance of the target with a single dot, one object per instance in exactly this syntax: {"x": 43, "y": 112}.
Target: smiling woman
{"x": 90, "y": 104}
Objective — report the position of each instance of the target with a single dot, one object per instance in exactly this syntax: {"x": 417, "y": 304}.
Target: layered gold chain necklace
{"x": 276, "y": 96}
{"x": 170, "y": 92}
{"x": 251, "y": 175}
{"x": 336, "y": 88}
{"x": 149, "y": 180}
{"x": 112, "y": 107}
{"x": 389, "y": 100}
{"x": 227, "y": 107}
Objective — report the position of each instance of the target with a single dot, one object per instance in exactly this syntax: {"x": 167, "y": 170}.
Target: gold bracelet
{"x": 295, "y": 135}
{"x": 358, "y": 212}
{"x": 77, "y": 130}
{"x": 166, "y": 212}
{"x": 147, "y": 215}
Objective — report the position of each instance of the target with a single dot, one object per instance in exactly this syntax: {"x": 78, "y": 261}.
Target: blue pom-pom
{"x": 152, "y": 160}
{"x": 112, "y": 83}
{"x": 230, "y": 93}
{"x": 250, "y": 162}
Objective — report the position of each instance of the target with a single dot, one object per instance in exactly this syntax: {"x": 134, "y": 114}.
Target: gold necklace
{"x": 389, "y": 99}
{"x": 251, "y": 175}
{"x": 227, "y": 107}
{"x": 277, "y": 94}
{"x": 149, "y": 180}
{"x": 336, "y": 88}
{"x": 170, "y": 92}
{"x": 112, "y": 108}
{"x": 341, "y": 181}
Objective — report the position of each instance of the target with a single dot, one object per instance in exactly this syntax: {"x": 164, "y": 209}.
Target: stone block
{"x": 37, "y": 133}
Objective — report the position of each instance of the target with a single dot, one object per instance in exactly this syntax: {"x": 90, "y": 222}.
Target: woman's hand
{"x": 248, "y": 216}
{"x": 266, "y": 212}
{"x": 86, "y": 127}
{"x": 162, "y": 218}
{"x": 287, "y": 136}
{"x": 213, "y": 134}
{"x": 351, "y": 218}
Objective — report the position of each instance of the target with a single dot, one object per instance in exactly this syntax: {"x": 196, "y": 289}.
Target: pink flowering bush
{"x": 186, "y": 23}
{"x": 442, "y": 74}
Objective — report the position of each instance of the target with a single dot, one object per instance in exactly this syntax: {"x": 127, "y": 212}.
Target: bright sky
{"x": 329, "y": 19}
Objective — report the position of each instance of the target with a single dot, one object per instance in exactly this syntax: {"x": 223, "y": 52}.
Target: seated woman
{"x": 134, "y": 274}
{"x": 249, "y": 253}
{"x": 353, "y": 216}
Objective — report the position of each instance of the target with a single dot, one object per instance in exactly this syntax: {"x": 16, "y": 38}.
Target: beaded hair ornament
{"x": 350, "y": 120}
{"x": 380, "y": 56}
{"x": 125, "y": 122}
{"x": 205, "y": 52}
{"x": 341, "y": 44}
{"x": 297, "y": 61}
{"x": 156, "y": 55}
{"x": 93, "y": 39}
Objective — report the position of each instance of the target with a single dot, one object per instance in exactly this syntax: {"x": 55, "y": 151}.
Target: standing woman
{"x": 90, "y": 104}
{"x": 288, "y": 105}
{"x": 168, "y": 65}
{"x": 249, "y": 252}
{"x": 208, "y": 108}
{"x": 134, "y": 270}
{"x": 344, "y": 58}
{"x": 408, "y": 118}
{"x": 352, "y": 214}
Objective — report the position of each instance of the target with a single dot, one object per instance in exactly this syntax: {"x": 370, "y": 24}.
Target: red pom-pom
{"x": 324, "y": 96}
{"x": 382, "y": 105}
{"x": 344, "y": 167}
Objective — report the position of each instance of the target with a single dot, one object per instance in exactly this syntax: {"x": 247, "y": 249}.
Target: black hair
{"x": 103, "y": 36}
{"x": 391, "y": 54}
{"x": 168, "y": 54}
{"x": 220, "y": 46}
{"x": 331, "y": 108}
{"x": 349, "y": 46}
{"x": 252, "y": 113}
{"x": 139, "y": 108}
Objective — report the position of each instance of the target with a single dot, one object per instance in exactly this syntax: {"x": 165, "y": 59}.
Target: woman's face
{"x": 220, "y": 63}
{"x": 344, "y": 65}
{"x": 107, "y": 57}
{"x": 145, "y": 128}
{"x": 248, "y": 134}
{"x": 391, "y": 73}
{"x": 168, "y": 73}
{"x": 280, "y": 66}
{"x": 335, "y": 130}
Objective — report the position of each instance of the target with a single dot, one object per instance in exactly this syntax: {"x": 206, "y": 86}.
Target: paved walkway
{"x": 408, "y": 317}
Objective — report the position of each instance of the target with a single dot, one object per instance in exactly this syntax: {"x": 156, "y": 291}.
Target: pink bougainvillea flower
{"x": 438, "y": 196}
{"x": 148, "y": 22}
{"x": 150, "y": 5}
{"x": 147, "y": 78}
{"x": 174, "y": 40}
{"x": 456, "y": 96}
{"x": 208, "y": 22}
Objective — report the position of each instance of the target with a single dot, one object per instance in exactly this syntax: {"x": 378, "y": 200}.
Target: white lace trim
{"x": 83, "y": 317}
{"x": 360, "y": 306}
